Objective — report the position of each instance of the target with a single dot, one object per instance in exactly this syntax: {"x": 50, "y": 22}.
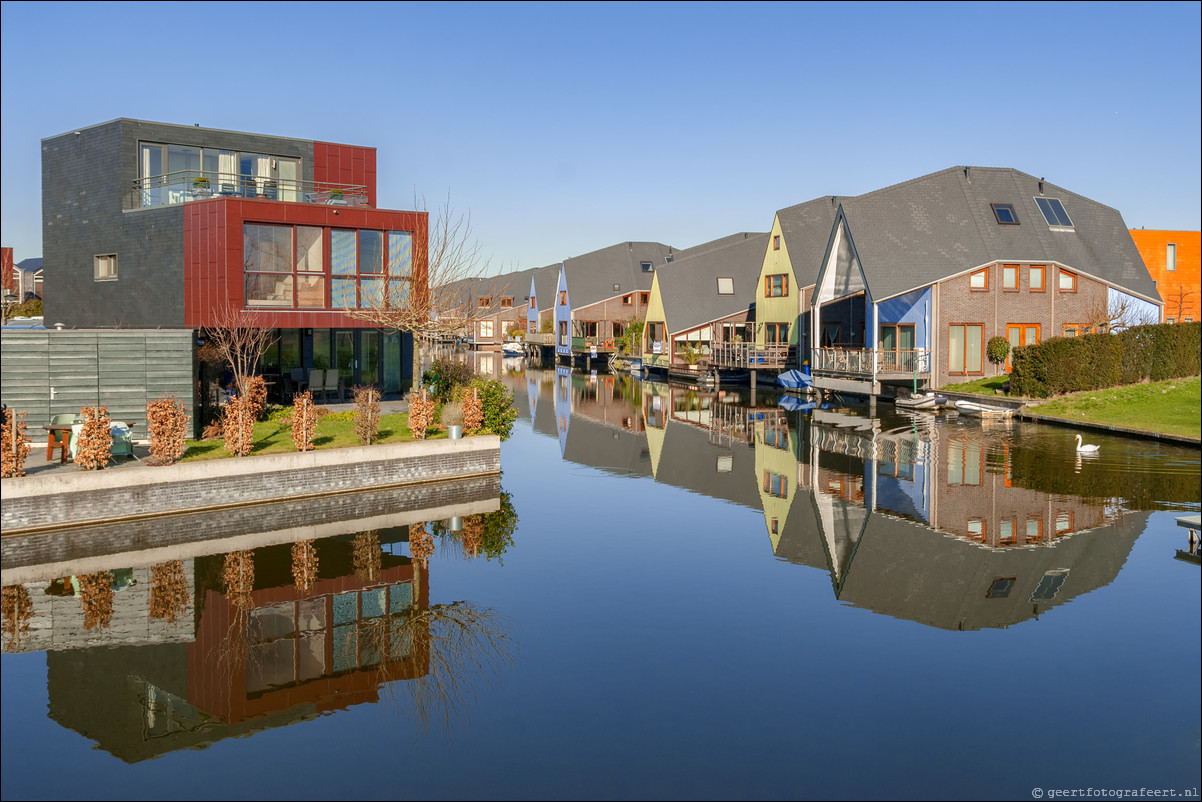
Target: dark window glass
{"x": 1053, "y": 212}
{"x": 1004, "y": 212}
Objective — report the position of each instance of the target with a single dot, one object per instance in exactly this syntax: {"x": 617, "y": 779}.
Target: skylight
{"x": 1053, "y": 212}
{"x": 1004, "y": 212}
{"x": 726, "y": 286}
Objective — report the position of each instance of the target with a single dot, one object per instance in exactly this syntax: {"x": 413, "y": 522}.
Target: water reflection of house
{"x": 931, "y": 529}
{"x": 600, "y": 427}
{"x": 291, "y": 656}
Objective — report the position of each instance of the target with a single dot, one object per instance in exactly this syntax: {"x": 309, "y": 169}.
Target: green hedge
{"x": 1074, "y": 364}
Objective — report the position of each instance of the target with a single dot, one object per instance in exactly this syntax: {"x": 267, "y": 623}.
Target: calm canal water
{"x": 668, "y": 594}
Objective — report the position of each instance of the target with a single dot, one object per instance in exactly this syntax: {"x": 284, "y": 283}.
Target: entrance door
{"x": 1021, "y": 334}
{"x": 344, "y": 357}
{"x": 357, "y": 357}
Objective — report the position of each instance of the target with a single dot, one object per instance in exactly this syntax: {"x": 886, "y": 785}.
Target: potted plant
{"x": 452, "y": 418}
{"x": 200, "y": 186}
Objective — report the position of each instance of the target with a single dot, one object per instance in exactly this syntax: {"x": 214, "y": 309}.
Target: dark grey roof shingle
{"x": 689, "y": 285}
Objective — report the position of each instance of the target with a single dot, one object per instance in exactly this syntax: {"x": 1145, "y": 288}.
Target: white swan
{"x": 1085, "y": 449}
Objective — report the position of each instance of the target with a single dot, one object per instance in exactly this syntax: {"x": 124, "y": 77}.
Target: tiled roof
{"x": 913, "y": 234}
{"x": 806, "y": 229}
{"x": 592, "y": 276}
{"x": 689, "y": 284}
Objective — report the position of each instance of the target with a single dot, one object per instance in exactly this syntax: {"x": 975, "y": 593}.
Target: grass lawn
{"x": 984, "y": 386}
{"x": 1168, "y": 407}
{"x": 272, "y": 437}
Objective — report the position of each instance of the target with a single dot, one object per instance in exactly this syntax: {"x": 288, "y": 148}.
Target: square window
{"x": 647, "y": 268}
{"x": 726, "y": 286}
{"x": 104, "y": 267}
{"x": 1004, "y": 212}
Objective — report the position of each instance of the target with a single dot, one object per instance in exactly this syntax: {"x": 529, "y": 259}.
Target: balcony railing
{"x": 749, "y": 355}
{"x": 859, "y": 361}
{"x": 191, "y": 185}
{"x": 600, "y": 343}
{"x": 541, "y": 339}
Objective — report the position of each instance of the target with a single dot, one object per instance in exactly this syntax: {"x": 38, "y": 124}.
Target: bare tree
{"x": 1117, "y": 314}
{"x": 450, "y": 276}
{"x": 1180, "y": 301}
{"x": 239, "y": 338}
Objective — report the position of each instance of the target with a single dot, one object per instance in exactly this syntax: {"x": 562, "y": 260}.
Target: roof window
{"x": 1053, "y": 212}
{"x": 1004, "y": 212}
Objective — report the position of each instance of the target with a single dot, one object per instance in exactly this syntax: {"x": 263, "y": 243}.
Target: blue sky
{"x": 563, "y": 128}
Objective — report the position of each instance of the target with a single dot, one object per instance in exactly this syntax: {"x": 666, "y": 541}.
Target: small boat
{"x": 635, "y": 366}
{"x": 515, "y": 347}
{"x": 922, "y": 401}
{"x": 976, "y": 410}
{"x": 795, "y": 380}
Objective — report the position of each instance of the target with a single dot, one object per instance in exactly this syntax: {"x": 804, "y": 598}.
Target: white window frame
{"x": 100, "y": 269}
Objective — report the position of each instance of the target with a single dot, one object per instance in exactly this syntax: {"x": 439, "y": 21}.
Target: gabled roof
{"x": 688, "y": 285}
{"x": 30, "y": 265}
{"x": 913, "y": 234}
{"x": 545, "y": 281}
{"x": 806, "y": 228}
{"x": 592, "y": 276}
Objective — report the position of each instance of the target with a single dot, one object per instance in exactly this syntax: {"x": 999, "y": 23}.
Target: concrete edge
{"x": 138, "y": 475}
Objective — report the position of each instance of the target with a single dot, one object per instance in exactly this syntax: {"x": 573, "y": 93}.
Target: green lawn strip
{"x": 272, "y": 437}
{"x": 984, "y": 386}
{"x": 1168, "y": 407}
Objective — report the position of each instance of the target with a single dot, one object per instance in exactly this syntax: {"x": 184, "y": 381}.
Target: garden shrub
{"x": 497, "y": 402}
{"x": 442, "y": 377}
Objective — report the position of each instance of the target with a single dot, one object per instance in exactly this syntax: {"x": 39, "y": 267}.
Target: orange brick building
{"x": 1172, "y": 258}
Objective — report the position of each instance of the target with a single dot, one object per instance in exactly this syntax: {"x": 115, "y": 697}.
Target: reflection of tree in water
{"x": 421, "y": 544}
{"x": 17, "y": 609}
{"x": 238, "y": 575}
{"x": 304, "y": 564}
{"x": 96, "y": 594}
{"x": 365, "y": 553}
{"x": 464, "y": 646}
{"x": 169, "y": 597}
{"x": 486, "y": 535}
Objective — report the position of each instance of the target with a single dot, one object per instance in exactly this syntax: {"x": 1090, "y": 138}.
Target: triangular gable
{"x": 842, "y": 273}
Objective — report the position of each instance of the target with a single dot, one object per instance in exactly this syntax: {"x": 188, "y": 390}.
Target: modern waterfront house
{"x": 704, "y": 296}
{"x": 598, "y": 293}
{"x": 155, "y": 225}
{"x": 917, "y": 277}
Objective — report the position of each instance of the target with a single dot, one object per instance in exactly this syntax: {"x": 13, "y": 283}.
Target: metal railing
{"x": 541, "y": 339}
{"x": 601, "y": 343}
{"x": 192, "y": 185}
{"x": 859, "y": 361}
{"x": 749, "y": 355}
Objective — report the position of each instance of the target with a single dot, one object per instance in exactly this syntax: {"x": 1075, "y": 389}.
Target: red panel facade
{"x": 213, "y": 260}
{"x": 345, "y": 164}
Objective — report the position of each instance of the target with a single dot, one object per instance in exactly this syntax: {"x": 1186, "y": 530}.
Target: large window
{"x": 776, "y": 484}
{"x": 776, "y": 286}
{"x": 776, "y": 333}
{"x": 966, "y": 348}
{"x": 1010, "y": 278}
{"x": 179, "y": 173}
{"x": 285, "y": 267}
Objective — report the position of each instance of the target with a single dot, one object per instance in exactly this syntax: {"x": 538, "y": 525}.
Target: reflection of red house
{"x": 330, "y": 647}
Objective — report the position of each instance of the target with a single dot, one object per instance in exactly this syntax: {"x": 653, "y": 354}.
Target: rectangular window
{"x": 979, "y": 281}
{"x": 776, "y": 332}
{"x": 104, "y": 267}
{"x": 310, "y": 255}
{"x": 533, "y": 305}
{"x": 965, "y": 462}
{"x": 647, "y": 268}
{"x": 344, "y": 253}
{"x": 506, "y": 303}
{"x": 486, "y": 328}
{"x": 965, "y": 348}
{"x": 776, "y": 484}
{"x": 1010, "y": 278}
{"x": 400, "y": 254}
{"x": 483, "y": 301}
{"x": 726, "y": 286}
{"x": 563, "y": 297}
{"x": 1053, "y": 212}
{"x": 628, "y": 300}
{"x": 644, "y": 297}
{"x": 267, "y": 249}
{"x": 776, "y": 286}
{"x": 371, "y": 252}
{"x": 1170, "y": 256}
{"x": 1035, "y": 277}
{"x": 1004, "y": 212}
{"x": 776, "y": 242}
{"x": 1068, "y": 281}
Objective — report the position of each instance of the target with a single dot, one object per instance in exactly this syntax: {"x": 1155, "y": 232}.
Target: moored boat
{"x": 922, "y": 401}
{"x": 982, "y": 410}
{"x": 515, "y": 347}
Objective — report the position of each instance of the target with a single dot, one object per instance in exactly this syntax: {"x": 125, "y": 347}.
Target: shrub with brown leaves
{"x": 256, "y": 397}
{"x": 238, "y": 573}
{"x": 96, "y": 594}
{"x": 367, "y": 413}
{"x": 366, "y": 556}
{"x": 304, "y": 421}
{"x": 17, "y": 609}
{"x": 473, "y": 411}
{"x": 421, "y": 413}
{"x": 169, "y": 597}
{"x": 94, "y": 447}
{"x": 238, "y": 427}
{"x": 167, "y": 422}
{"x": 304, "y": 564}
{"x": 14, "y": 445}
{"x": 421, "y": 543}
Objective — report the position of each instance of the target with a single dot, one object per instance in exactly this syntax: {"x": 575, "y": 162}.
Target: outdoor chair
{"x": 333, "y": 384}
{"x": 316, "y": 377}
{"x": 298, "y": 380}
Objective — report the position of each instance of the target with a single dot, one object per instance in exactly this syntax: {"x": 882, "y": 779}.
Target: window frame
{"x": 1060, "y": 275}
{"x": 1043, "y": 278}
{"x": 483, "y": 302}
{"x": 101, "y": 259}
{"x": 1170, "y": 257}
{"x": 982, "y": 272}
{"x": 644, "y": 298}
{"x": 507, "y": 302}
{"x": 628, "y": 299}
{"x": 1013, "y": 221}
{"x": 1017, "y": 278}
{"x": 965, "y": 371}
{"x": 769, "y": 282}
{"x": 776, "y": 242}
{"x": 563, "y": 297}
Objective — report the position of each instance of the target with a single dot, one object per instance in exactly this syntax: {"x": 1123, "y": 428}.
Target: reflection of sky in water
{"x": 672, "y": 644}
